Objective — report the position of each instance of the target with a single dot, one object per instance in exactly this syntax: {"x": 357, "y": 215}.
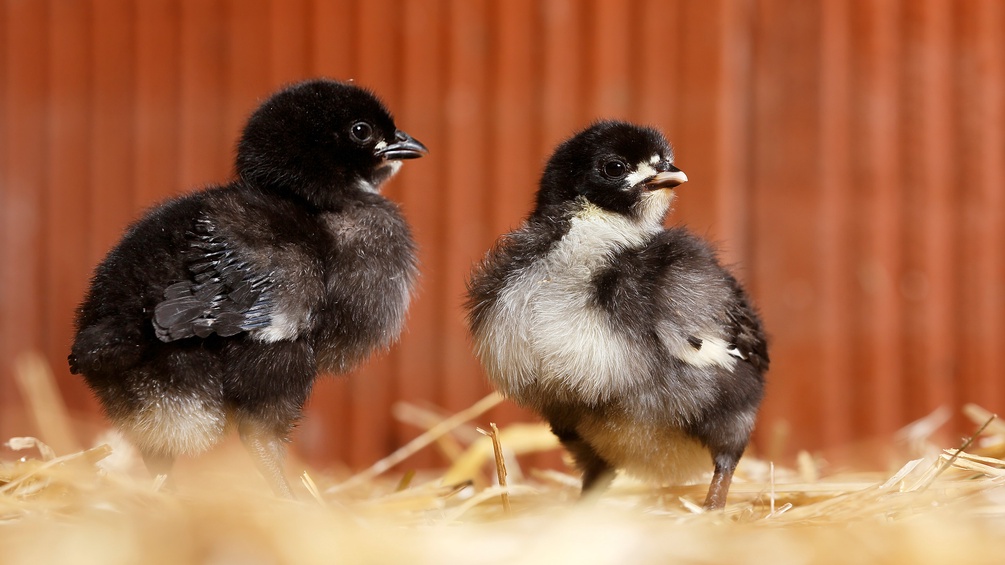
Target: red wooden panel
{"x": 24, "y": 174}
{"x": 158, "y": 60}
{"x": 205, "y": 150}
{"x": 111, "y": 144}
{"x": 289, "y": 60}
{"x": 6, "y": 194}
{"x": 466, "y": 157}
{"x": 609, "y": 74}
{"x": 331, "y": 33}
{"x": 784, "y": 152}
{"x": 420, "y": 362}
{"x": 247, "y": 69}
{"x": 939, "y": 236}
{"x": 658, "y": 27}
{"x": 928, "y": 229}
{"x": 989, "y": 278}
{"x": 876, "y": 166}
{"x": 696, "y": 83}
{"x": 66, "y": 202}
{"x": 836, "y": 290}
{"x": 562, "y": 106}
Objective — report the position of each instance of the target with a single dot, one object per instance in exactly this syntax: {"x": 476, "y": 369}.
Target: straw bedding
{"x": 97, "y": 505}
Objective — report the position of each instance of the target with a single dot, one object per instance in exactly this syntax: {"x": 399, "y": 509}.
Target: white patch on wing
{"x": 713, "y": 351}
{"x": 175, "y": 424}
{"x": 545, "y": 328}
{"x": 281, "y": 327}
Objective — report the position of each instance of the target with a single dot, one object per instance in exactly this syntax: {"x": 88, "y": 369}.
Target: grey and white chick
{"x": 222, "y": 306}
{"x": 640, "y": 350}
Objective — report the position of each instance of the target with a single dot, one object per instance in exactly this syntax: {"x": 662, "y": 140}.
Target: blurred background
{"x": 847, "y": 156}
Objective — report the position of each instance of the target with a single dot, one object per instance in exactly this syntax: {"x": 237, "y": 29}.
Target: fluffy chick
{"x": 631, "y": 340}
{"x": 221, "y": 307}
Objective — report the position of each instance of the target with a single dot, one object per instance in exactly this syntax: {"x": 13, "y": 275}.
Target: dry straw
{"x": 98, "y": 506}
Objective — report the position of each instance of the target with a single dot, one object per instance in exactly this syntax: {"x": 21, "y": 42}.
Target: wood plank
{"x": 990, "y": 114}
{"x": 877, "y": 166}
{"x": 204, "y": 150}
{"x": 247, "y": 25}
{"x": 835, "y": 213}
{"x": 332, "y": 36}
{"x": 65, "y": 211}
{"x": 696, "y": 84}
{"x": 289, "y": 58}
{"x": 785, "y": 157}
{"x": 113, "y": 133}
{"x": 465, "y": 196}
{"x": 611, "y": 66}
{"x": 659, "y": 52}
{"x": 158, "y": 98}
{"x": 23, "y": 170}
{"x": 940, "y": 233}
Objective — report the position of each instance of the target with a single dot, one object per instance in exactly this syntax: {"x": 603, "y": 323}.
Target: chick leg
{"x": 268, "y": 452}
{"x": 597, "y": 473}
{"x": 722, "y": 477}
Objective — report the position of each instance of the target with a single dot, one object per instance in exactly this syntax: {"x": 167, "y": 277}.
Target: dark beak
{"x": 404, "y": 147}
{"x": 667, "y": 179}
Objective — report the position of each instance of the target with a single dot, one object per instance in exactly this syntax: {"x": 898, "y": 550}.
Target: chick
{"x": 221, "y": 307}
{"x": 634, "y": 343}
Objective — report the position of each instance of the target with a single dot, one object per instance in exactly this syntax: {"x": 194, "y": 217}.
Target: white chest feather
{"x": 545, "y": 327}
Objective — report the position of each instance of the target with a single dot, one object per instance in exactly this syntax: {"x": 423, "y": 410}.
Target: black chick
{"x": 640, "y": 350}
{"x": 221, "y": 307}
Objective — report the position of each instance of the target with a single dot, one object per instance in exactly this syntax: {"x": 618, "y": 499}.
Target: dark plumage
{"x": 640, "y": 350}
{"x": 220, "y": 307}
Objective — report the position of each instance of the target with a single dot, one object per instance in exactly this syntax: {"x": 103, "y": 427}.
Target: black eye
{"x": 615, "y": 169}
{"x": 361, "y": 132}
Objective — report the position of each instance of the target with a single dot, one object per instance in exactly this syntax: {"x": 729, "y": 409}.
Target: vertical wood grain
{"x": 989, "y": 279}
{"x": 784, "y": 153}
{"x": 111, "y": 147}
{"x": 835, "y": 396}
{"x": 158, "y": 65}
{"x": 65, "y": 210}
{"x": 203, "y": 146}
{"x": 878, "y": 200}
{"x": 465, "y": 198}
{"x": 24, "y": 175}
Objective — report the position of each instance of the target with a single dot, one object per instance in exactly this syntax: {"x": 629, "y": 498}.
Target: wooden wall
{"x": 848, "y": 156}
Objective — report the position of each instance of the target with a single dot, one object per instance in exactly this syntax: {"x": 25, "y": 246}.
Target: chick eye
{"x": 361, "y": 132}
{"x": 615, "y": 169}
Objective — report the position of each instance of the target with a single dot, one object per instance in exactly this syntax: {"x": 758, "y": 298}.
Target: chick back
{"x": 326, "y": 310}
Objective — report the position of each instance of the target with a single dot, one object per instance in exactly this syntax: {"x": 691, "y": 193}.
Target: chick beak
{"x": 666, "y": 179}
{"x": 404, "y": 147}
